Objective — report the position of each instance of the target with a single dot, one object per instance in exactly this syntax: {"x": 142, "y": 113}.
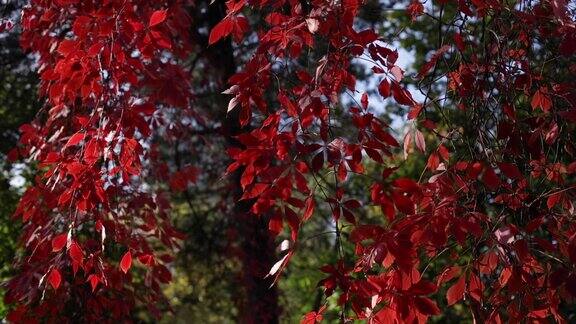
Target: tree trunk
{"x": 258, "y": 301}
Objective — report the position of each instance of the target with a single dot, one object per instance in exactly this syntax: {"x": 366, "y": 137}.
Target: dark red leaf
{"x": 553, "y": 199}
{"x": 456, "y": 292}
{"x": 364, "y": 100}
{"x": 510, "y": 170}
{"x": 448, "y": 274}
{"x": 54, "y": 278}
{"x": 423, "y": 287}
{"x": 384, "y": 88}
{"x": 490, "y": 179}
{"x": 426, "y": 306}
{"x": 94, "y": 280}
{"x": 401, "y": 95}
{"x": 59, "y": 242}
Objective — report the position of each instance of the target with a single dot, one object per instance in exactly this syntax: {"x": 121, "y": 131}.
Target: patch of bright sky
{"x": 17, "y": 181}
{"x": 377, "y": 103}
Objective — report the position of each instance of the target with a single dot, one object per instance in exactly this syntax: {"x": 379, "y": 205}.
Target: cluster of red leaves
{"x": 104, "y": 68}
{"x": 507, "y": 205}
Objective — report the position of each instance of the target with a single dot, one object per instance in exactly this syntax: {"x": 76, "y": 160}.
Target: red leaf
{"x": 291, "y": 108}
{"x": 313, "y": 317}
{"x": 75, "y": 139}
{"x": 318, "y": 162}
{"x": 352, "y": 204}
{"x": 255, "y": 190}
{"x": 444, "y": 153}
{"x": 293, "y": 222}
{"x": 415, "y": 111}
{"x": 76, "y": 253}
{"x": 146, "y": 259}
{"x": 342, "y": 172}
{"x": 426, "y": 306}
{"x": 553, "y": 200}
{"x": 505, "y": 276}
{"x": 488, "y": 263}
{"x": 433, "y": 162}
{"x": 423, "y": 287}
{"x": 54, "y": 278}
{"x": 475, "y": 287}
{"x": 456, "y": 292}
{"x": 275, "y": 224}
{"x": 384, "y": 88}
{"x": 157, "y": 18}
{"x": 126, "y": 262}
{"x": 403, "y": 203}
{"x": 534, "y": 224}
{"x": 222, "y": 29}
{"x": 364, "y": 100}
{"x": 420, "y": 142}
{"x": 430, "y": 64}
{"x": 541, "y": 99}
{"x": 510, "y": 170}
{"x": 448, "y": 274}
{"x": 309, "y": 318}
{"x": 309, "y": 209}
{"x": 490, "y": 179}
{"x": 415, "y": 9}
{"x": 401, "y": 95}
{"x": 92, "y": 151}
{"x": 94, "y": 281}
{"x": 59, "y": 242}
{"x": 66, "y": 47}
{"x": 374, "y": 154}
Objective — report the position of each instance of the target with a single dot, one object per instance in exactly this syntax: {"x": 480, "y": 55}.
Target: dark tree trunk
{"x": 258, "y": 300}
